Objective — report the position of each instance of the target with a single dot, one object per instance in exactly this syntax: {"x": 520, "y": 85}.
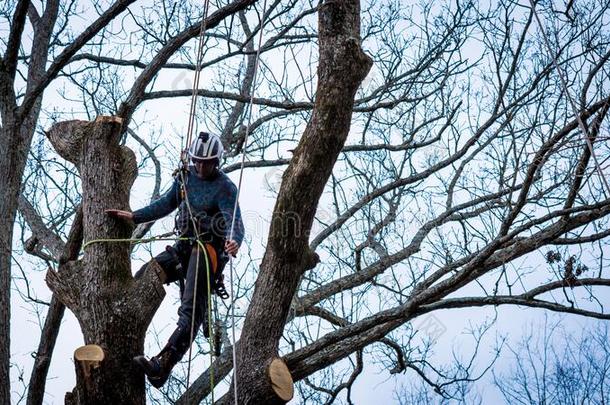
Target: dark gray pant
{"x": 187, "y": 263}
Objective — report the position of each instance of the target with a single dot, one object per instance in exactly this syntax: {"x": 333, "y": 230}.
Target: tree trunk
{"x": 15, "y": 137}
{"x": 10, "y": 183}
{"x": 113, "y": 309}
{"x": 342, "y": 67}
{"x": 44, "y": 353}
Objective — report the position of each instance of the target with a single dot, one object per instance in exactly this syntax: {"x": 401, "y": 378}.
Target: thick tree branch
{"x": 259, "y": 163}
{"x": 33, "y": 15}
{"x": 241, "y": 98}
{"x": 342, "y": 67}
{"x": 583, "y": 282}
{"x": 14, "y": 39}
{"x": 582, "y": 239}
{"x": 453, "y": 303}
{"x": 330, "y": 317}
{"x": 339, "y": 344}
{"x": 48, "y": 338}
{"x": 370, "y": 272}
{"x": 492, "y": 256}
{"x": 125, "y": 62}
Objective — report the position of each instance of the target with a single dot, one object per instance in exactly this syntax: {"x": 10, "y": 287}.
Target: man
{"x": 205, "y": 198}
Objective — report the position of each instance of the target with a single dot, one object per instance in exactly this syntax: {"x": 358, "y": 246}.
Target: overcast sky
{"x": 449, "y": 329}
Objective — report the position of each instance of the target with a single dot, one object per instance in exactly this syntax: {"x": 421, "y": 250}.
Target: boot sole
{"x": 144, "y": 365}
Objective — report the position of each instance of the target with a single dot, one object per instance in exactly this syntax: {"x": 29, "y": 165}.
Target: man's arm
{"x": 158, "y": 209}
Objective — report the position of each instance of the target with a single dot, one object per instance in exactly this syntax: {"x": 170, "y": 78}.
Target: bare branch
{"x": 137, "y": 91}
{"x": 117, "y": 8}
{"x": 50, "y": 240}
{"x": 142, "y": 229}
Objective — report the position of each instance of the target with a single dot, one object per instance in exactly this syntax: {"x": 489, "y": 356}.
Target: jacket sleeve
{"x": 160, "y": 207}
{"x": 226, "y": 204}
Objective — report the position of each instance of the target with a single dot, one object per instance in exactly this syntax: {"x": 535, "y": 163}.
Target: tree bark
{"x": 44, "y": 353}
{"x": 342, "y": 67}
{"x": 18, "y": 126}
{"x": 113, "y": 309}
{"x": 9, "y": 185}
{"x": 19, "y": 123}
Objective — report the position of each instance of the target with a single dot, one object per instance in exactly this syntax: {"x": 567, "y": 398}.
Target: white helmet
{"x": 206, "y": 147}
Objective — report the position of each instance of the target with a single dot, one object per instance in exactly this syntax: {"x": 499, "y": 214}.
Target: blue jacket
{"x": 211, "y": 202}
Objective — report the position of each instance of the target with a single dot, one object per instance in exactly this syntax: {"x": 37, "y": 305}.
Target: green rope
{"x": 207, "y": 265}
{"x": 210, "y": 335}
{"x": 130, "y": 240}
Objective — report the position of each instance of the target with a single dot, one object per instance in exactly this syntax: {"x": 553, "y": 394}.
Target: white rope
{"x": 241, "y": 174}
{"x": 564, "y": 84}
{"x": 185, "y": 162}
{"x": 196, "y": 77}
{"x": 191, "y": 121}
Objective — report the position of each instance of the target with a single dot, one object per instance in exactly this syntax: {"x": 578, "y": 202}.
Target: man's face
{"x": 204, "y": 168}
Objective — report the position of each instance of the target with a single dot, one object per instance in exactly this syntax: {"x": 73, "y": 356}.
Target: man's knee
{"x": 171, "y": 264}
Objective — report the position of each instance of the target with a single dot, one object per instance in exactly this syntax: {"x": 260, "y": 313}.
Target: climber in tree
{"x": 205, "y": 198}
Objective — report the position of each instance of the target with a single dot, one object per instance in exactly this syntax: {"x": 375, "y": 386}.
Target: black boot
{"x": 158, "y": 368}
